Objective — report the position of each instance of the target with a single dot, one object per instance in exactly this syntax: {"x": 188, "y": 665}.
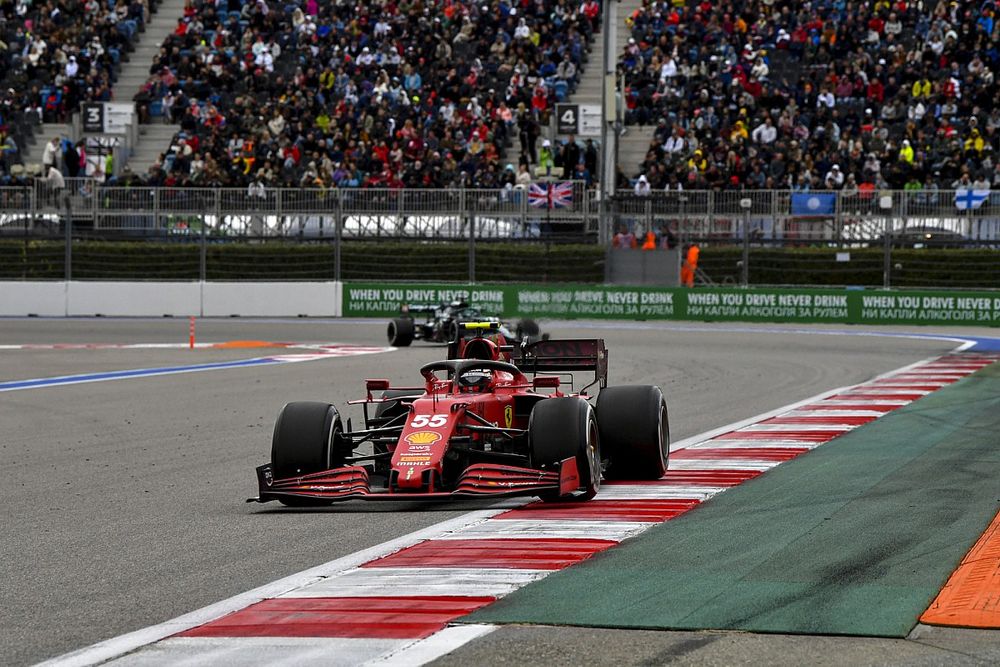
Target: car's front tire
{"x": 306, "y": 439}
{"x": 562, "y": 428}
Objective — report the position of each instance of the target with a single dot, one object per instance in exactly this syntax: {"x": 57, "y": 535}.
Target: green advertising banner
{"x": 707, "y": 304}
{"x": 385, "y": 299}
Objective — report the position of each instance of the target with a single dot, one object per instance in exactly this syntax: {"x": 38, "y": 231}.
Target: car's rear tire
{"x": 450, "y": 331}
{"x": 635, "y": 431}
{"x": 561, "y": 428}
{"x": 306, "y": 440}
{"x": 400, "y": 332}
{"x": 528, "y": 328}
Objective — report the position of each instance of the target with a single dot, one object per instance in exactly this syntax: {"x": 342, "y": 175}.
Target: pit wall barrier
{"x": 334, "y": 299}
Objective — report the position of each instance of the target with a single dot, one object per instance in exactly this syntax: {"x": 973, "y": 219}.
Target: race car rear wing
{"x": 430, "y": 308}
{"x": 426, "y": 308}
{"x": 563, "y": 355}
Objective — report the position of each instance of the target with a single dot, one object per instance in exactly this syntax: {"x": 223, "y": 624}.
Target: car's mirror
{"x": 376, "y": 385}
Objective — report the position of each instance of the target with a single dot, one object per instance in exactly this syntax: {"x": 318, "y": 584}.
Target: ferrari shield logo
{"x": 508, "y": 415}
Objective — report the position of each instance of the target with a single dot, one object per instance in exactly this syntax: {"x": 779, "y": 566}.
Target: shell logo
{"x": 423, "y": 438}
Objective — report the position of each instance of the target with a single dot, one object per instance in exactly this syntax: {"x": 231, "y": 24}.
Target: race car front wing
{"x": 478, "y": 480}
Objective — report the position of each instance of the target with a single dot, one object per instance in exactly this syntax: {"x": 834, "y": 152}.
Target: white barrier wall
{"x": 123, "y": 299}
{"x": 46, "y": 299}
{"x": 179, "y": 299}
{"x": 270, "y": 299}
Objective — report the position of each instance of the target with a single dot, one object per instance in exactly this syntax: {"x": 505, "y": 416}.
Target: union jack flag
{"x": 551, "y": 195}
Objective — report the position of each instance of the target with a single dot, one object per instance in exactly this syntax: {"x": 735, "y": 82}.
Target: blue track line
{"x": 16, "y": 385}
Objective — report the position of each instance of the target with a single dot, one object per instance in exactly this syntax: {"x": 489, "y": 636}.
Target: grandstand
{"x": 824, "y": 95}
{"x": 302, "y": 92}
{"x": 368, "y": 95}
{"x": 752, "y": 94}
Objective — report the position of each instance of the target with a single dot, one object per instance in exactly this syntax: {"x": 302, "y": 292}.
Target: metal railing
{"x": 850, "y": 238}
{"x": 296, "y": 212}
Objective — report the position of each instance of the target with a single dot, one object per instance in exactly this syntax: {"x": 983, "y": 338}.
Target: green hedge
{"x": 909, "y": 267}
{"x": 25, "y": 259}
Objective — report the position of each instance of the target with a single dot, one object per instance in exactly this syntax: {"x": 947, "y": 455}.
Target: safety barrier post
{"x": 68, "y": 258}
{"x": 886, "y": 253}
{"x": 887, "y": 225}
{"x": 745, "y": 204}
{"x": 338, "y": 222}
{"x": 471, "y": 220}
{"x": 203, "y": 240}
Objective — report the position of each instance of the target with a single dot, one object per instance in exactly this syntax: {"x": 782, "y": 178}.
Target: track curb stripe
{"x": 366, "y": 617}
{"x": 536, "y": 554}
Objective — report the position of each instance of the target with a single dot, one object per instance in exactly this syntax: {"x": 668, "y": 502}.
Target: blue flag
{"x": 813, "y": 203}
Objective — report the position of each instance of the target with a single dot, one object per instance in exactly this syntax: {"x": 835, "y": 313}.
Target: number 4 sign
{"x": 568, "y": 116}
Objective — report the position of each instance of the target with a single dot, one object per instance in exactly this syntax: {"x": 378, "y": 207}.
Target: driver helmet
{"x": 474, "y": 381}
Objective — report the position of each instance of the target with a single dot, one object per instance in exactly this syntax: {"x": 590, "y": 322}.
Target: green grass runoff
{"x": 854, "y": 538}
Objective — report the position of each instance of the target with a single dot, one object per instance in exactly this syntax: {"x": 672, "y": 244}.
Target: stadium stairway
{"x": 633, "y": 145}
{"x": 588, "y": 91}
{"x": 31, "y": 153}
{"x": 135, "y": 72}
{"x": 153, "y": 139}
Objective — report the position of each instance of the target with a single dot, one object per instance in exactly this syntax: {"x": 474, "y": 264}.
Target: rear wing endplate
{"x": 425, "y": 308}
{"x": 563, "y": 355}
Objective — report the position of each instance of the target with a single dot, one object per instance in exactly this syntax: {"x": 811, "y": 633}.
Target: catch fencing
{"x": 747, "y": 237}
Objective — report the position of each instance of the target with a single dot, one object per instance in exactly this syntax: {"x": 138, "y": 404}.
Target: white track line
{"x": 423, "y": 651}
{"x": 415, "y": 581}
{"x": 273, "y": 651}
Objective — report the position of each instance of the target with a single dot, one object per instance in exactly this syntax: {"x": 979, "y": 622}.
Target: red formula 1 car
{"x": 479, "y": 426}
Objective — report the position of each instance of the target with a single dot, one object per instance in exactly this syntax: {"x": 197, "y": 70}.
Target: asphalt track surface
{"x": 123, "y": 500}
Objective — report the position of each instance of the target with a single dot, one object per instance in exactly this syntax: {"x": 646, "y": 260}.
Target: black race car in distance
{"x": 439, "y": 324}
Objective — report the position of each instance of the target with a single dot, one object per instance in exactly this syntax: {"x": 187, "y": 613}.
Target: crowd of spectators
{"x": 823, "y": 94}
{"x": 55, "y": 55}
{"x": 368, "y": 93}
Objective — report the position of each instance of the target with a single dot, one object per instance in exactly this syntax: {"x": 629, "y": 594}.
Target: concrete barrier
{"x": 176, "y": 299}
{"x": 289, "y": 299}
{"x": 128, "y": 299}
{"x": 46, "y": 299}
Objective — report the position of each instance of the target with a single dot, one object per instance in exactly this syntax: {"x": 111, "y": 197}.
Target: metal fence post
{"x": 745, "y": 273}
{"x": 279, "y": 199}
{"x": 523, "y": 208}
{"x": 710, "y": 213}
{"x": 470, "y": 215}
{"x": 338, "y": 223}
{"x": 886, "y": 252}
{"x": 838, "y": 218}
{"x": 69, "y": 246}
{"x": 203, "y": 241}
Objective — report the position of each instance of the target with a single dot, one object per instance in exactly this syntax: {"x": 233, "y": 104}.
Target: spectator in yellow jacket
{"x": 922, "y": 88}
{"x": 975, "y": 142}
{"x": 906, "y": 152}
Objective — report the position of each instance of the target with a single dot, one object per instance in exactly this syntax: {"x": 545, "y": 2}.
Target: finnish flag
{"x": 970, "y": 199}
